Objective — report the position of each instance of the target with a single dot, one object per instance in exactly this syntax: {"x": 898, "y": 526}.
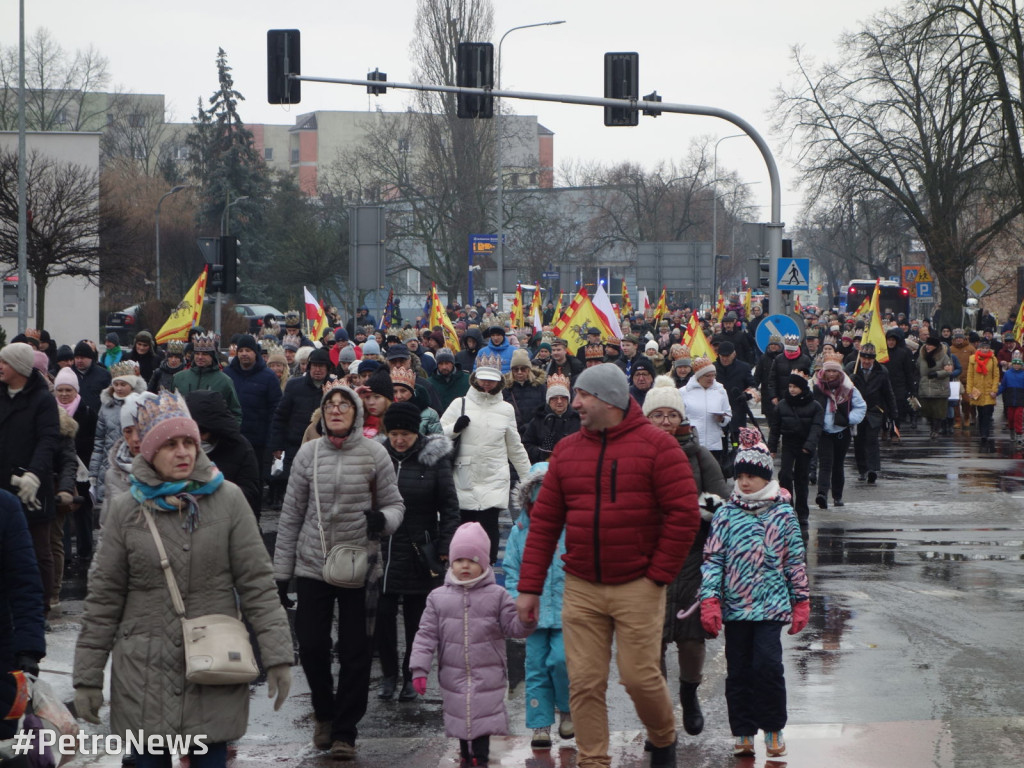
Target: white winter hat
{"x": 664, "y": 395}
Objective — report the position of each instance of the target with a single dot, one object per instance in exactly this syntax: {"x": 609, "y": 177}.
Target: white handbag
{"x": 345, "y": 565}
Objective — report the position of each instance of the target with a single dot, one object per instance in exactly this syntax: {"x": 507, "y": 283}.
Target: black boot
{"x": 693, "y": 718}
{"x": 664, "y": 757}
{"x": 387, "y": 688}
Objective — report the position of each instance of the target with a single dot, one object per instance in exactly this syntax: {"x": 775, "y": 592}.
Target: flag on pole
{"x": 558, "y": 307}
{"x": 516, "y": 319}
{"x": 386, "y": 316}
{"x": 627, "y": 305}
{"x": 864, "y": 308}
{"x": 661, "y": 309}
{"x": 699, "y": 346}
{"x": 747, "y": 313}
{"x": 186, "y": 315}
{"x": 439, "y": 317}
{"x": 1018, "y": 324}
{"x": 643, "y": 300}
{"x": 797, "y": 306}
{"x": 536, "y": 312}
{"x": 580, "y": 316}
{"x": 720, "y": 307}
{"x": 603, "y": 304}
{"x": 692, "y": 325}
{"x": 315, "y": 315}
{"x": 874, "y": 333}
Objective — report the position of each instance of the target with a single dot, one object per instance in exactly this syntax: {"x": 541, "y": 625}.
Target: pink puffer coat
{"x": 467, "y": 626}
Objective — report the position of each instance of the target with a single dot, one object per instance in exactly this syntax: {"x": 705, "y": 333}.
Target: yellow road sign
{"x": 923, "y": 275}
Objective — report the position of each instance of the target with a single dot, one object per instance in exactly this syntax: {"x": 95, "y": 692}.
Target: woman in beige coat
{"x": 218, "y": 559}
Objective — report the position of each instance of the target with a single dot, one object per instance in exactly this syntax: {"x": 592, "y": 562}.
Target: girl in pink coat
{"x": 466, "y": 621}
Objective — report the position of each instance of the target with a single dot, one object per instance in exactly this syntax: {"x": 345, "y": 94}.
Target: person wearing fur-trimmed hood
{"x": 348, "y": 482}
{"x": 423, "y": 464}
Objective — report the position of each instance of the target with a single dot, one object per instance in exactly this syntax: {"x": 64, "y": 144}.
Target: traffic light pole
{"x": 775, "y": 226}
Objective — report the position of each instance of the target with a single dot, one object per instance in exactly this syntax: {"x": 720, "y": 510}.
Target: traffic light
{"x": 229, "y": 263}
{"x": 621, "y": 81}
{"x": 759, "y": 272}
{"x": 652, "y": 96}
{"x": 283, "y": 60}
{"x": 474, "y": 68}
{"x": 377, "y": 90}
{"x": 215, "y": 279}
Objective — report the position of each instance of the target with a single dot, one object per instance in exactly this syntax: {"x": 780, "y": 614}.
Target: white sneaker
{"x": 541, "y": 738}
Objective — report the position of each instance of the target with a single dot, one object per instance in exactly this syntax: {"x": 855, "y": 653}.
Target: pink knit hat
{"x": 67, "y": 376}
{"x": 163, "y": 418}
{"x": 471, "y": 542}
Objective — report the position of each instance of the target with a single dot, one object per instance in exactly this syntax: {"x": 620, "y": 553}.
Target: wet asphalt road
{"x": 912, "y": 656}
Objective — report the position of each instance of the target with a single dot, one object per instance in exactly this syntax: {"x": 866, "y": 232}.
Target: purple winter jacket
{"x": 467, "y": 626}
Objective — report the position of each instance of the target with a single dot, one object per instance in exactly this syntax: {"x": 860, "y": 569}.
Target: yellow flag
{"x": 797, "y": 306}
{"x": 558, "y": 307}
{"x": 516, "y": 315}
{"x": 1018, "y": 325}
{"x": 720, "y": 307}
{"x": 581, "y": 315}
{"x": 536, "y": 313}
{"x": 864, "y": 308}
{"x": 186, "y": 314}
{"x": 438, "y": 317}
{"x": 662, "y": 307}
{"x": 747, "y": 313}
{"x": 874, "y": 333}
{"x": 699, "y": 346}
{"x": 627, "y": 304}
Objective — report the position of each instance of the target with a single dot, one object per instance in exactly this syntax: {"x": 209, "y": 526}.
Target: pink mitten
{"x": 801, "y": 613}
{"x": 420, "y": 684}
{"x": 711, "y": 616}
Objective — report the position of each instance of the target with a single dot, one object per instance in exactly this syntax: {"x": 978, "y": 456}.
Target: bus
{"x": 892, "y": 297}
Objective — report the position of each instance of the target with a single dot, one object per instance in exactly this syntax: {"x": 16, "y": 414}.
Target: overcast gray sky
{"x": 731, "y": 55}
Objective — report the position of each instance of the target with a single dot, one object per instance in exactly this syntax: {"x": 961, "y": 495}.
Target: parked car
{"x": 122, "y": 323}
{"x": 255, "y": 313}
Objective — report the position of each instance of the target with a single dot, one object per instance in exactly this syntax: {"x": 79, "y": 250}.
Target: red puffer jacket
{"x": 627, "y": 501}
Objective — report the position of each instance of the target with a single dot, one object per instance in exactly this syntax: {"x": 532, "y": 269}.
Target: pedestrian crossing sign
{"x": 794, "y": 275}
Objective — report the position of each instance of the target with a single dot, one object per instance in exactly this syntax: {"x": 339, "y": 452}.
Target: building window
{"x": 533, "y": 179}
{"x": 136, "y": 120}
{"x": 268, "y": 153}
{"x": 403, "y": 144}
{"x": 514, "y": 180}
{"x": 60, "y": 117}
{"x": 295, "y": 156}
{"x": 180, "y": 152}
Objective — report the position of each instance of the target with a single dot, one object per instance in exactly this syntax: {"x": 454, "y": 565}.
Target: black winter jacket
{"x": 163, "y": 378}
{"x": 95, "y": 379}
{"x": 259, "y": 392}
{"x": 798, "y": 421}
{"x": 231, "y": 452}
{"x": 301, "y": 397}
{"x": 876, "y": 389}
{"x": 30, "y": 441}
{"x": 778, "y": 380}
{"x": 525, "y": 398}
{"x": 901, "y": 367}
{"x": 545, "y": 429}
{"x": 466, "y": 359}
{"x": 148, "y": 363}
{"x": 425, "y": 481}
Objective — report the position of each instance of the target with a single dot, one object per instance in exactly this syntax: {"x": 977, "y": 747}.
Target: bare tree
{"x": 906, "y": 117}
{"x": 64, "y": 227}
{"x": 134, "y": 135}
{"x": 61, "y": 87}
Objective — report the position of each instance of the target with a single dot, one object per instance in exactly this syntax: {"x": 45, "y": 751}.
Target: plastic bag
{"x": 277, "y": 467}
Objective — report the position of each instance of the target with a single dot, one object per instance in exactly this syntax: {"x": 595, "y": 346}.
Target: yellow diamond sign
{"x": 978, "y": 287}
{"x": 923, "y": 276}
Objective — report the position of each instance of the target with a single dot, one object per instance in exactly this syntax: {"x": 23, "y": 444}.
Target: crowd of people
{"x": 392, "y": 459}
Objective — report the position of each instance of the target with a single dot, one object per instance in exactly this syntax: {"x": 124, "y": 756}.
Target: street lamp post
{"x": 714, "y": 195}
{"x": 174, "y": 190}
{"x": 500, "y": 212}
{"x": 715, "y": 220}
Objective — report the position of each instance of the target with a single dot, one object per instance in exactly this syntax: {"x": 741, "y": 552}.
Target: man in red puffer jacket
{"x": 624, "y": 493}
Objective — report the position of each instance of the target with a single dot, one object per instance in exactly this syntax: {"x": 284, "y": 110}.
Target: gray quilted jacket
{"x": 352, "y": 480}
{"x": 129, "y": 614}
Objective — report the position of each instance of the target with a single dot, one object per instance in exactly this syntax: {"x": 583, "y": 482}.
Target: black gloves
{"x": 461, "y": 423}
{"x": 375, "y": 522}
{"x": 27, "y": 663}
{"x": 282, "y": 592}
{"x": 933, "y": 374}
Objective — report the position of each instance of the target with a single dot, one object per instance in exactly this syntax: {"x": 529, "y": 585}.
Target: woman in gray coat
{"x": 346, "y": 484}
{"x": 219, "y": 561}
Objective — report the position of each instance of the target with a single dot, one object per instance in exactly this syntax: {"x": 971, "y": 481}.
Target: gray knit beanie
{"x": 606, "y": 382}
{"x": 20, "y": 356}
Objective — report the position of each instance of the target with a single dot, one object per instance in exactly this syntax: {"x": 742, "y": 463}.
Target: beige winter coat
{"x": 129, "y": 614}
{"x": 352, "y": 480}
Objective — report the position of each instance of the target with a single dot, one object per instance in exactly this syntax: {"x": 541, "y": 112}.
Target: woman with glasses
{"x": 663, "y": 407}
{"x": 343, "y": 486}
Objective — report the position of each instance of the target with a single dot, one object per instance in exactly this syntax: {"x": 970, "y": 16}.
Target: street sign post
{"x": 978, "y": 287}
{"x": 794, "y": 275}
{"x": 781, "y": 325}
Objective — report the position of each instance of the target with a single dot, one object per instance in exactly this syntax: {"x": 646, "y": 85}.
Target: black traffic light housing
{"x": 215, "y": 279}
{"x": 621, "y": 81}
{"x": 229, "y": 263}
{"x": 474, "y": 68}
{"x": 283, "y": 60}
{"x": 377, "y": 90}
{"x": 652, "y": 96}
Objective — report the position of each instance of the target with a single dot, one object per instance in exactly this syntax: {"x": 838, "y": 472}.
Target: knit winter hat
{"x": 702, "y": 366}
{"x": 40, "y": 362}
{"x": 558, "y": 386}
{"x": 380, "y": 384}
{"x": 84, "y": 349}
{"x": 651, "y": 346}
{"x": 664, "y": 394}
{"x": 471, "y": 542}
{"x": 1016, "y": 359}
{"x": 64, "y": 352}
{"x": 130, "y": 408}
{"x": 205, "y": 342}
{"x": 444, "y": 355}
{"x": 371, "y": 347}
{"x": 340, "y": 334}
{"x": 519, "y": 358}
{"x": 161, "y": 419}
{"x": 67, "y": 376}
{"x": 607, "y": 382}
{"x": 346, "y": 355}
{"x": 402, "y": 416}
{"x": 799, "y": 380}
{"x": 247, "y": 341}
{"x": 112, "y": 338}
{"x": 20, "y": 356}
{"x": 753, "y": 457}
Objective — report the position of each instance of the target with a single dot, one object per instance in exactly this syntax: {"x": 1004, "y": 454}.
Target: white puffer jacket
{"x": 486, "y": 447}
{"x": 352, "y": 480}
{"x": 701, "y": 407}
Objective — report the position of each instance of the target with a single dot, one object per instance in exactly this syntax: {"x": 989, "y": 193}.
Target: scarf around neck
{"x": 71, "y": 407}
{"x": 185, "y": 491}
{"x": 758, "y": 500}
{"x": 981, "y": 359}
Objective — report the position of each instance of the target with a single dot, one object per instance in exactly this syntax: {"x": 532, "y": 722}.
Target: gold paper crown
{"x": 832, "y": 357}
{"x": 332, "y": 382}
{"x": 699, "y": 364}
{"x": 270, "y": 346}
{"x": 404, "y": 376}
{"x": 124, "y": 368}
{"x": 488, "y": 360}
{"x": 291, "y": 319}
{"x": 205, "y": 342}
{"x": 176, "y": 347}
{"x": 558, "y": 380}
{"x": 155, "y": 410}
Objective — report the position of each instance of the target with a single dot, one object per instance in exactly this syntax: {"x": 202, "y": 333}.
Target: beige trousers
{"x": 632, "y": 614}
